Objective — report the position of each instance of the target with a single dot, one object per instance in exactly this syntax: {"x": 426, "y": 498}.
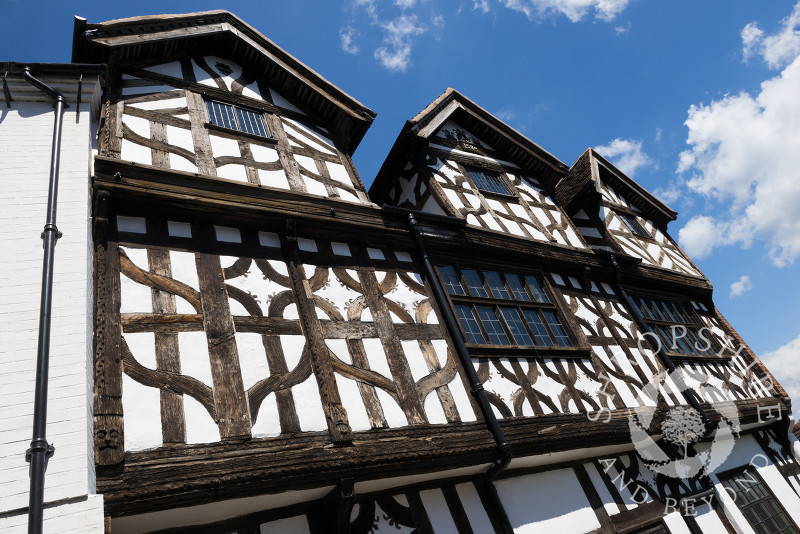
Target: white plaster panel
{"x": 394, "y": 415}
{"x": 135, "y": 297}
{"x": 352, "y": 402}
{"x": 405, "y": 256}
{"x": 154, "y": 105}
{"x": 309, "y": 406}
{"x": 270, "y": 239}
{"x": 143, "y": 347}
{"x": 347, "y": 195}
{"x": 676, "y": 524}
{"x": 438, "y": 512}
{"x": 308, "y": 136}
{"x": 200, "y": 427}
{"x": 473, "y": 506}
{"x": 498, "y": 385}
{"x": 291, "y": 525}
{"x": 182, "y": 138}
{"x": 276, "y": 179}
{"x": 228, "y": 235}
{"x": 227, "y": 79}
{"x": 292, "y": 349}
{"x": 434, "y": 410}
{"x": 263, "y": 154}
{"x": 252, "y": 91}
{"x": 179, "y": 229}
{"x": 315, "y": 187}
{"x": 547, "y": 502}
{"x": 224, "y": 146}
{"x": 281, "y": 102}
{"x": 377, "y": 357}
{"x": 232, "y": 171}
{"x": 375, "y": 254}
{"x": 194, "y": 356}
{"x": 308, "y": 245}
{"x": 340, "y": 349}
{"x": 336, "y": 293}
{"x": 172, "y": 68}
{"x": 383, "y": 522}
{"x": 131, "y": 151}
{"x": 267, "y": 423}
{"x": 432, "y": 206}
{"x": 491, "y": 222}
{"x": 138, "y": 125}
{"x": 136, "y": 225}
{"x": 416, "y": 361}
{"x": 142, "y": 408}
{"x": 252, "y": 358}
{"x": 306, "y": 163}
{"x": 147, "y": 89}
{"x": 339, "y": 173}
{"x": 341, "y": 249}
{"x": 453, "y": 128}
{"x": 184, "y": 270}
{"x": 600, "y": 487}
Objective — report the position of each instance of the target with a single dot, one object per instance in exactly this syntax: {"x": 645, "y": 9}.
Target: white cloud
{"x": 778, "y": 49}
{"x": 782, "y": 363}
{"x": 574, "y": 10}
{"x": 505, "y": 115}
{"x": 405, "y": 3}
{"x": 742, "y": 285}
{"x": 743, "y": 152}
{"x": 626, "y": 154}
{"x": 481, "y": 5}
{"x": 670, "y": 194}
{"x": 347, "y": 36}
{"x": 395, "y": 54}
{"x": 622, "y": 30}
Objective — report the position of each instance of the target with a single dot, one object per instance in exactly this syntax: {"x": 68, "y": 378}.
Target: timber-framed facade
{"x": 485, "y": 341}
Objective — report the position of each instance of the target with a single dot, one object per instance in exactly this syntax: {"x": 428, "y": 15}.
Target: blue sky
{"x": 697, "y": 101}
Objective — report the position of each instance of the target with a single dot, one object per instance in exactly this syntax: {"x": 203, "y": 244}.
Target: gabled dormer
{"x": 456, "y": 159}
{"x": 614, "y": 213}
{"x": 206, "y": 94}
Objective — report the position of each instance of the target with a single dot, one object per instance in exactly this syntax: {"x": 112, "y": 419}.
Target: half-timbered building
{"x": 487, "y": 340}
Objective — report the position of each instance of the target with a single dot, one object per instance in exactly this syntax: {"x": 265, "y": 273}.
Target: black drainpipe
{"x": 688, "y": 393}
{"x": 451, "y": 323}
{"x": 40, "y": 450}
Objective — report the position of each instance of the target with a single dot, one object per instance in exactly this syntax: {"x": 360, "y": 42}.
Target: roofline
{"x": 16, "y": 67}
{"x": 634, "y": 185}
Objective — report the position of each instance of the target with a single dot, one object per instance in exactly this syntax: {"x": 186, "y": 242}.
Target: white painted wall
{"x": 25, "y": 137}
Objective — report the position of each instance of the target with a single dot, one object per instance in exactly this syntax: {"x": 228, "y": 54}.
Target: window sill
{"x": 238, "y": 134}
{"x": 513, "y": 351}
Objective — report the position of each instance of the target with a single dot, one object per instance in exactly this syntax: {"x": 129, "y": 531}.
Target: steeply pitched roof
{"x": 583, "y": 178}
{"x": 453, "y": 105}
{"x": 220, "y": 32}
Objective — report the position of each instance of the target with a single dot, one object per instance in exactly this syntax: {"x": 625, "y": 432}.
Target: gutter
{"x": 451, "y": 323}
{"x": 41, "y": 450}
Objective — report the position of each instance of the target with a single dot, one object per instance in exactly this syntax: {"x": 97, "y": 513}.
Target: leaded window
{"x": 757, "y": 503}
{"x": 633, "y": 225}
{"x": 676, "y": 325}
{"x": 236, "y": 118}
{"x": 489, "y": 182}
{"x": 504, "y": 309}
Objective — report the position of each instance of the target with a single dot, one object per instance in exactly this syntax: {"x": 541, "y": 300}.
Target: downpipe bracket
{"x": 51, "y": 228}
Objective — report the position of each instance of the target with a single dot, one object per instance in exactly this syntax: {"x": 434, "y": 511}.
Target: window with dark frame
{"x": 633, "y": 225}
{"x": 236, "y": 118}
{"x": 676, "y": 324}
{"x": 504, "y": 308}
{"x": 757, "y": 503}
{"x": 489, "y": 182}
